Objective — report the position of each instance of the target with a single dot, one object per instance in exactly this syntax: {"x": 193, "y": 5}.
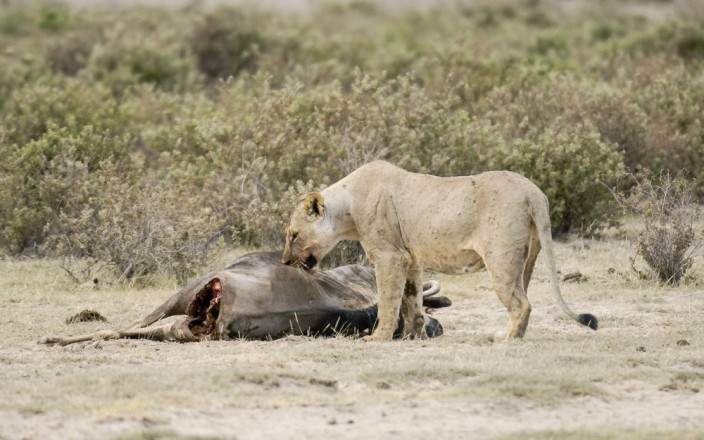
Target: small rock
{"x": 85, "y": 316}
{"x": 383, "y": 385}
{"x": 574, "y": 277}
{"x": 323, "y": 382}
{"x": 683, "y": 342}
{"x": 31, "y": 411}
{"x": 641, "y": 349}
{"x": 611, "y": 271}
{"x": 149, "y": 421}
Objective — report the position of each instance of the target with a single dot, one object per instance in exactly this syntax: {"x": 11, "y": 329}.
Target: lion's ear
{"x": 313, "y": 204}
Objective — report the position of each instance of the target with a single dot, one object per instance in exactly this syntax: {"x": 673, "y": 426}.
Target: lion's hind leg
{"x": 507, "y": 271}
{"x": 532, "y": 256}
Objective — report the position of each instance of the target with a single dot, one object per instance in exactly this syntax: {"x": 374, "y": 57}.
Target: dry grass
{"x": 631, "y": 379}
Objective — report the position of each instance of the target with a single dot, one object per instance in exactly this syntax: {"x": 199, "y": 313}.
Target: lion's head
{"x": 309, "y": 235}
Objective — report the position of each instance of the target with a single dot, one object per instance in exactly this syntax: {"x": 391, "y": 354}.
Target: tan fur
{"x": 407, "y": 222}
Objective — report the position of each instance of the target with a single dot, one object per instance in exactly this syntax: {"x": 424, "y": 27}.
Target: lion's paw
{"x": 376, "y": 337}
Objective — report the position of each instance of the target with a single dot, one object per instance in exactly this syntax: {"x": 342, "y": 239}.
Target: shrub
{"x": 62, "y": 102}
{"x": 574, "y": 167}
{"x": 670, "y": 213}
{"x": 54, "y": 17}
{"x": 42, "y": 120}
{"x": 136, "y": 227}
{"x": 164, "y": 122}
{"x": 683, "y": 39}
{"x": 673, "y": 102}
{"x": 264, "y": 222}
{"x": 225, "y": 43}
{"x": 527, "y": 105}
{"x": 69, "y": 54}
{"x": 37, "y": 181}
{"x": 125, "y": 59}
{"x": 15, "y": 20}
{"x": 563, "y": 137}
{"x": 320, "y": 134}
{"x": 15, "y": 73}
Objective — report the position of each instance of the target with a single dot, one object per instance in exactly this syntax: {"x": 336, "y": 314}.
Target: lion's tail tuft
{"x": 588, "y": 320}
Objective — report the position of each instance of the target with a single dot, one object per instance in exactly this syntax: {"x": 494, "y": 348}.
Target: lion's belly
{"x": 460, "y": 261}
{"x": 448, "y": 246}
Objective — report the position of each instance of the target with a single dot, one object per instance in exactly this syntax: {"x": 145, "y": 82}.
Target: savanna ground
{"x": 640, "y": 376}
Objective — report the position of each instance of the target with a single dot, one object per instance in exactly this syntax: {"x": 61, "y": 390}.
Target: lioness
{"x": 407, "y": 221}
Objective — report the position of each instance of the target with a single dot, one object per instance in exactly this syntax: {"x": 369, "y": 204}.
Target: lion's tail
{"x": 540, "y": 212}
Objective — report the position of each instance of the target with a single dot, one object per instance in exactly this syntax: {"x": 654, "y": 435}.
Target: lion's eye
{"x": 294, "y": 236}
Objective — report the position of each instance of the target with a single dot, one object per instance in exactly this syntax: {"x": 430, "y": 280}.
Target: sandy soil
{"x": 640, "y": 376}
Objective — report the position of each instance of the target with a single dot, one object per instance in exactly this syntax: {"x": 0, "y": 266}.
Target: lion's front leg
{"x": 390, "y": 280}
{"x": 412, "y": 305}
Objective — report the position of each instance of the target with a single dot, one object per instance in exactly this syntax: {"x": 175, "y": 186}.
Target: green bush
{"x": 529, "y": 105}
{"x": 53, "y": 17}
{"x": 568, "y": 139}
{"x": 39, "y": 175}
{"x": 125, "y": 59}
{"x": 15, "y": 73}
{"x": 204, "y": 121}
{"x": 225, "y": 43}
{"x": 15, "y": 20}
{"x": 685, "y": 40}
{"x": 69, "y": 54}
{"x": 264, "y": 222}
{"x": 63, "y": 102}
{"x": 136, "y": 227}
{"x": 574, "y": 167}
{"x": 667, "y": 240}
{"x": 673, "y": 102}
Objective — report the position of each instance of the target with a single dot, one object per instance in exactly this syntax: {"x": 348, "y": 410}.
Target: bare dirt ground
{"x": 640, "y": 376}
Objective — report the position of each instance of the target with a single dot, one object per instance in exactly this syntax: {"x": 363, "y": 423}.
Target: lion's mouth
{"x": 309, "y": 263}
